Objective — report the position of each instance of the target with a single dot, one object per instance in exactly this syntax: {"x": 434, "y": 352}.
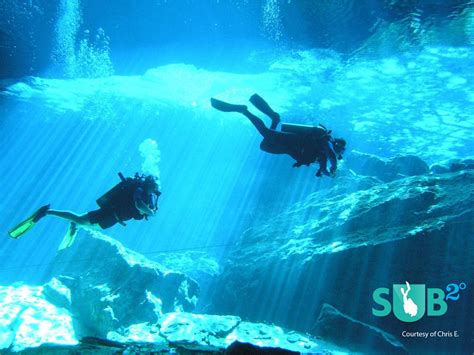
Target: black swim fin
{"x": 226, "y": 107}
{"x": 28, "y": 223}
{"x": 263, "y": 106}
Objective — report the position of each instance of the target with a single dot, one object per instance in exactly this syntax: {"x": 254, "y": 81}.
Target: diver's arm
{"x": 140, "y": 203}
{"x": 304, "y": 156}
{"x": 331, "y": 155}
{"x": 143, "y": 208}
{"x": 299, "y": 159}
{"x": 302, "y": 162}
{"x": 323, "y": 169}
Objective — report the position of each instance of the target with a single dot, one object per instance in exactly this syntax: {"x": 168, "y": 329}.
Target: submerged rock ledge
{"x": 116, "y": 299}
{"x": 409, "y": 207}
{"x": 337, "y": 246}
{"x": 28, "y": 320}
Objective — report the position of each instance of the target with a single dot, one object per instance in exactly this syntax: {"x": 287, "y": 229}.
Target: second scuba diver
{"x": 305, "y": 144}
{"x": 132, "y": 198}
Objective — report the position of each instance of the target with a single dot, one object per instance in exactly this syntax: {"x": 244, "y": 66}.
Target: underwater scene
{"x": 237, "y": 176}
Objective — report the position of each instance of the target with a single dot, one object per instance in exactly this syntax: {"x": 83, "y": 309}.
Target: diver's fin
{"x": 28, "y": 223}
{"x": 226, "y": 107}
{"x": 263, "y": 106}
{"x": 69, "y": 237}
{"x": 21, "y": 228}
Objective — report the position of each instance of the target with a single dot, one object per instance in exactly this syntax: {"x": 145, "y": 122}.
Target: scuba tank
{"x": 110, "y": 198}
{"x": 318, "y": 131}
{"x": 115, "y": 196}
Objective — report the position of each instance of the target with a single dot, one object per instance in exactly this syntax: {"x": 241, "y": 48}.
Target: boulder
{"x": 57, "y": 293}
{"x": 348, "y": 332}
{"x": 28, "y": 320}
{"x": 385, "y": 169}
{"x": 237, "y": 348}
{"x": 203, "y": 332}
{"x": 112, "y": 286}
{"x": 199, "y": 265}
{"x": 452, "y": 165}
{"x": 141, "y": 333}
{"x": 197, "y": 331}
{"x": 340, "y": 248}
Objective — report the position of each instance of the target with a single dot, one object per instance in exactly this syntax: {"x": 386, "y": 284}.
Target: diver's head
{"x": 339, "y": 147}
{"x": 151, "y": 185}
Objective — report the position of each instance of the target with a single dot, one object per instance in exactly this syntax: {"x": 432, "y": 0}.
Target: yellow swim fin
{"x": 28, "y": 223}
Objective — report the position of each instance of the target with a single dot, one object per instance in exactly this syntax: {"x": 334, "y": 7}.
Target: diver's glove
{"x": 148, "y": 215}
{"x": 298, "y": 164}
{"x": 332, "y": 171}
{"x": 146, "y": 211}
{"x": 320, "y": 172}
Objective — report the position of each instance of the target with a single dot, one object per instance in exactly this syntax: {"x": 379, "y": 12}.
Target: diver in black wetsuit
{"x": 305, "y": 144}
{"x": 132, "y": 198}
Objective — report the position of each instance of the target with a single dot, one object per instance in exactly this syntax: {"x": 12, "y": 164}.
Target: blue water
{"x": 78, "y": 120}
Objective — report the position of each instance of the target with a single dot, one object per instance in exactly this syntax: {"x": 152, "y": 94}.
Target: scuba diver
{"x": 305, "y": 144}
{"x": 135, "y": 198}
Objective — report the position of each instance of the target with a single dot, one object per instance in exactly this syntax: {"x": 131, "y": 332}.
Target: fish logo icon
{"x": 408, "y": 302}
{"x": 409, "y": 306}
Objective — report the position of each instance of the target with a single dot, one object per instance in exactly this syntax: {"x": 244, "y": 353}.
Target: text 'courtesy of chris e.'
{"x": 432, "y": 334}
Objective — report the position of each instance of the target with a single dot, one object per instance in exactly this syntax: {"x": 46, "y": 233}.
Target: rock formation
{"x": 338, "y": 246}
{"x": 114, "y": 299}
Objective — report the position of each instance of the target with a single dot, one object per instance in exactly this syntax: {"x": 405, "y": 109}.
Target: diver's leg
{"x": 275, "y": 122}
{"x": 277, "y": 142}
{"x": 226, "y": 107}
{"x": 258, "y": 123}
{"x": 267, "y": 145}
{"x": 80, "y": 220}
{"x": 263, "y": 106}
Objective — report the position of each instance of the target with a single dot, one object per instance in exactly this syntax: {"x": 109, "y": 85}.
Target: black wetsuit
{"x": 315, "y": 146}
{"x": 122, "y": 207}
{"x": 318, "y": 148}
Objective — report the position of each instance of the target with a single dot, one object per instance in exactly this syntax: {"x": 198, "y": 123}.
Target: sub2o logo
{"x": 411, "y": 302}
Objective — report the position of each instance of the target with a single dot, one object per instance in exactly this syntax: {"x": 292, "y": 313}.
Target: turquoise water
{"x": 73, "y": 136}
{"x": 91, "y": 112}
